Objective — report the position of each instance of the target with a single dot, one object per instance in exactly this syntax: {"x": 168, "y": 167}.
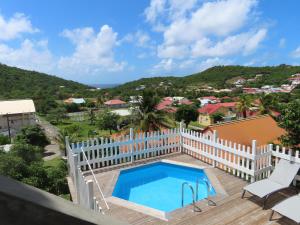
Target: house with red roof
{"x": 115, "y": 103}
{"x": 228, "y": 109}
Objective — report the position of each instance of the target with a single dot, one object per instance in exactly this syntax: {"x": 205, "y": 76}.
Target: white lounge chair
{"x": 281, "y": 178}
{"x": 288, "y": 208}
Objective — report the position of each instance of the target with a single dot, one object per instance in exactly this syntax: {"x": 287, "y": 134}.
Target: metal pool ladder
{"x": 196, "y": 208}
{"x": 209, "y": 202}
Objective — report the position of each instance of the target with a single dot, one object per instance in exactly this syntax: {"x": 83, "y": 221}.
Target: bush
{"x": 32, "y": 135}
{"x": 4, "y": 140}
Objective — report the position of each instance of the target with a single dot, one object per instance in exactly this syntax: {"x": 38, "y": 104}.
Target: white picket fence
{"x": 247, "y": 162}
{"x": 84, "y": 188}
{"x": 108, "y": 152}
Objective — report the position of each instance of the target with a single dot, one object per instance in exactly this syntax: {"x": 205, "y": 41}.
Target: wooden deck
{"x": 230, "y": 209}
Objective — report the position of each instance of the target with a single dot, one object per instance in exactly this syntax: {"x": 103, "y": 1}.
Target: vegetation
{"x": 290, "y": 121}
{"x": 4, "y": 140}
{"x": 108, "y": 121}
{"x": 146, "y": 117}
{"x": 217, "y": 77}
{"x": 186, "y": 113}
{"x": 244, "y": 104}
{"x": 24, "y": 163}
{"x": 32, "y": 135}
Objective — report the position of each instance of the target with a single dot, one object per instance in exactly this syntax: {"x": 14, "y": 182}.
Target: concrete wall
{"x": 24, "y": 204}
{"x": 16, "y": 122}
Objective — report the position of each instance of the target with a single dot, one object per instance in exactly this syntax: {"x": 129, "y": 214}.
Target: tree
{"x": 217, "y": 117}
{"x": 73, "y": 107}
{"x": 187, "y": 114}
{"x": 146, "y": 115}
{"x": 244, "y": 104}
{"x": 33, "y": 135}
{"x": 267, "y": 103}
{"x": 61, "y": 139}
{"x": 108, "y": 121}
{"x": 92, "y": 117}
{"x": 290, "y": 121}
{"x": 56, "y": 115}
{"x": 27, "y": 152}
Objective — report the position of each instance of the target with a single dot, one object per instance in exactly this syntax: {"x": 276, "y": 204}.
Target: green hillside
{"x": 17, "y": 83}
{"x": 217, "y": 77}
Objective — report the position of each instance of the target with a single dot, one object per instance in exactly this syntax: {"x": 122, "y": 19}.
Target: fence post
{"x": 253, "y": 166}
{"x": 131, "y": 144}
{"x": 269, "y": 160}
{"x": 181, "y": 138}
{"x": 90, "y": 185}
{"x": 215, "y": 137}
{"x": 76, "y": 181}
{"x": 67, "y": 146}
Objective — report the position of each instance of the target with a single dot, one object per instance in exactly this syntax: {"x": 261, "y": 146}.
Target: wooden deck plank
{"x": 229, "y": 210}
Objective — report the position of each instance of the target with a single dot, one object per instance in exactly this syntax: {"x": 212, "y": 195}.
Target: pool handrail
{"x": 96, "y": 181}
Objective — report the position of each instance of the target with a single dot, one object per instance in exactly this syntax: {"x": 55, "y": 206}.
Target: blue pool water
{"x": 158, "y": 185}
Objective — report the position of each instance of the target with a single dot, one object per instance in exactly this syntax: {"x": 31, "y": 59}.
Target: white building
{"x": 16, "y": 114}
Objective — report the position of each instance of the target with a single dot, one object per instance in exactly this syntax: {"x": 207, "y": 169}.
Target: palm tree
{"x": 267, "y": 103}
{"x": 244, "y": 104}
{"x": 61, "y": 139}
{"x": 146, "y": 115}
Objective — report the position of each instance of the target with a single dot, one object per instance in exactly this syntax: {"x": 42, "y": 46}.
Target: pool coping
{"x": 166, "y": 216}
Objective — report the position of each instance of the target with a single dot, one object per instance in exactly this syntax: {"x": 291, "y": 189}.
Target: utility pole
{"x": 8, "y": 127}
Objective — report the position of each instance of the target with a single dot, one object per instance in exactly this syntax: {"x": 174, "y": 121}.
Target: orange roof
{"x": 263, "y": 129}
{"x": 114, "y": 102}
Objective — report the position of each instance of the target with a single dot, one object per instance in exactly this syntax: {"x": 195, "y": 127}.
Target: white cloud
{"x": 139, "y": 38}
{"x": 164, "y": 65}
{"x": 195, "y": 28}
{"x": 296, "y": 53}
{"x": 155, "y": 9}
{"x": 94, "y": 52}
{"x": 244, "y": 43}
{"x": 30, "y": 55}
{"x": 15, "y": 26}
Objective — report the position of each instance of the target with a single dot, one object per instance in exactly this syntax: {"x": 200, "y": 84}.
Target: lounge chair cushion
{"x": 263, "y": 187}
{"x": 289, "y": 208}
{"x": 285, "y": 172}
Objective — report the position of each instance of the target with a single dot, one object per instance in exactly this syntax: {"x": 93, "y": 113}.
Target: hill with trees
{"x": 17, "y": 83}
{"x": 216, "y": 77}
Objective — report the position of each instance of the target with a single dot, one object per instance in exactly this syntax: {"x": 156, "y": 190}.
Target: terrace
{"x": 229, "y": 167}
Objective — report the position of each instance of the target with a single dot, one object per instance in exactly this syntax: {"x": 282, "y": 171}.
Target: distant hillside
{"x": 217, "y": 77}
{"x": 18, "y": 83}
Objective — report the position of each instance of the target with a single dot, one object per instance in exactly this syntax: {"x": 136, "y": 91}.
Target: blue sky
{"x": 121, "y": 40}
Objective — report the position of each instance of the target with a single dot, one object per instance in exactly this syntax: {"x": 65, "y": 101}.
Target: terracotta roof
{"x": 212, "y": 108}
{"x": 263, "y": 129}
{"x": 163, "y": 104}
{"x": 185, "y": 102}
{"x": 114, "y": 102}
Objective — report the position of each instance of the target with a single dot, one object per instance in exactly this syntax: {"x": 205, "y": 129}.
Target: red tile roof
{"x": 114, "y": 102}
{"x": 164, "y": 104}
{"x": 212, "y": 108}
{"x": 185, "y": 102}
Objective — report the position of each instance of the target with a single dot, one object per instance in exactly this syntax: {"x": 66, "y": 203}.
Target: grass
{"x": 83, "y": 129}
{"x": 53, "y": 162}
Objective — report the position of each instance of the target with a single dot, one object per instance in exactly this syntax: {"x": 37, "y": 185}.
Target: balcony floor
{"x": 230, "y": 209}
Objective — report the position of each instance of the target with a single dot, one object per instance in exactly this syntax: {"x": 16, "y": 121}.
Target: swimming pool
{"x": 159, "y": 185}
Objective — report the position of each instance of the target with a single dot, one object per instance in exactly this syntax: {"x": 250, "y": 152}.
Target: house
{"x": 16, "y": 114}
{"x": 166, "y": 105}
{"x": 208, "y": 99}
{"x": 185, "y": 101}
{"x": 263, "y": 129}
{"x": 240, "y": 81}
{"x": 78, "y": 101}
{"x": 228, "y": 109}
{"x": 115, "y": 103}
